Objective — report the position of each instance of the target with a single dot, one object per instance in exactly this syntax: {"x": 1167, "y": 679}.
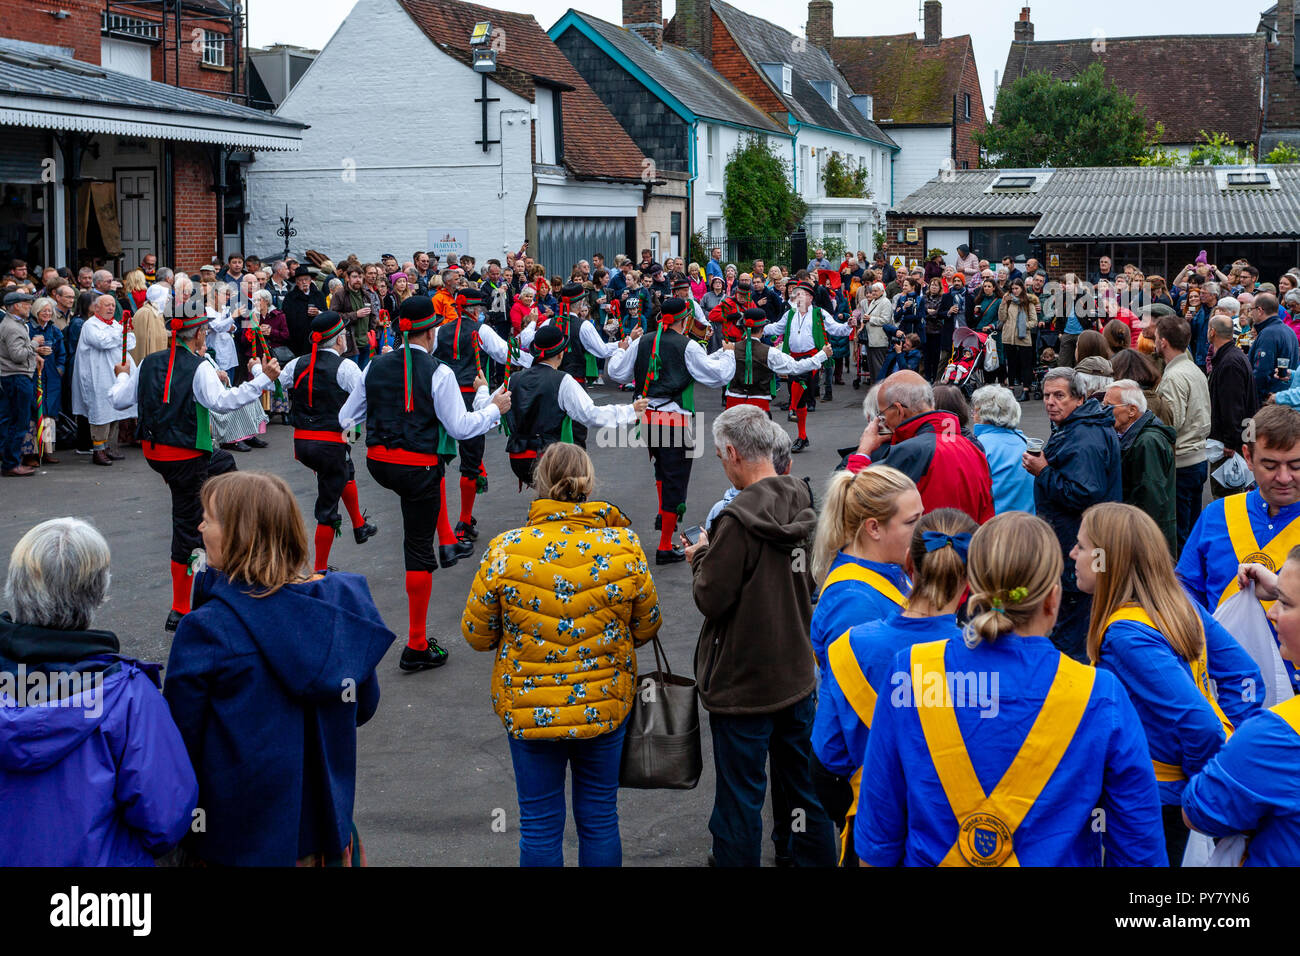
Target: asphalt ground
{"x": 434, "y": 779}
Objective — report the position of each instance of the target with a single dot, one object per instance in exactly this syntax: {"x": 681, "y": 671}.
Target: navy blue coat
{"x": 1273, "y": 340}
{"x": 268, "y": 694}
{"x": 1083, "y": 470}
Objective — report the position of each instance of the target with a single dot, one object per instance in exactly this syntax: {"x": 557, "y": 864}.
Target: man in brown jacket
{"x": 754, "y": 661}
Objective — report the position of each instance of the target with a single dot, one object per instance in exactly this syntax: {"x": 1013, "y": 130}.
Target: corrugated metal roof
{"x": 1123, "y": 202}
{"x": 26, "y": 72}
{"x": 685, "y": 75}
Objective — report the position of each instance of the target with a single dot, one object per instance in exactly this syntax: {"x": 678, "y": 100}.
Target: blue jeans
{"x": 539, "y": 781}
{"x": 742, "y": 747}
{"x": 16, "y": 394}
{"x": 1190, "y": 482}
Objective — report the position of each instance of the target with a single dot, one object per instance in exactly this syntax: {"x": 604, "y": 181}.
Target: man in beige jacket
{"x": 1185, "y": 389}
{"x": 877, "y": 312}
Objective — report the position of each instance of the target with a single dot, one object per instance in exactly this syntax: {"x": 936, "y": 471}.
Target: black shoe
{"x": 470, "y": 530}
{"x": 812, "y": 405}
{"x": 173, "y": 620}
{"x": 857, "y": 384}
{"x": 447, "y": 556}
{"x": 799, "y": 445}
{"x": 659, "y": 521}
{"x": 464, "y": 547}
{"x": 235, "y": 446}
{"x": 827, "y": 396}
{"x": 256, "y": 442}
{"x": 365, "y": 532}
{"x": 792, "y": 417}
{"x": 671, "y": 556}
{"x": 411, "y": 660}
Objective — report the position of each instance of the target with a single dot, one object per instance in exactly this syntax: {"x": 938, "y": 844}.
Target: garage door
{"x": 562, "y": 241}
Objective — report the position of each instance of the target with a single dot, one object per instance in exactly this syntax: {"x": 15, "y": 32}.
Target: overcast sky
{"x": 310, "y": 23}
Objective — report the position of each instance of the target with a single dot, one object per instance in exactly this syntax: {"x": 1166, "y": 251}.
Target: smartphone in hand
{"x": 692, "y": 535}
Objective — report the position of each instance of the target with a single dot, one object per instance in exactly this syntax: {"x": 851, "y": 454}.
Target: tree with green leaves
{"x": 1281, "y": 154}
{"x": 841, "y": 180}
{"x": 758, "y": 199}
{"x": 1085, "y": 121}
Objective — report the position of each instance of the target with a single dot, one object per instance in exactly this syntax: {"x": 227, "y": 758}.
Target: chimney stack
{"x": 933, "y": 22}
{"x": 1024, "y": 27}
{"x": 821, "y": 22}
{"x": 693, "y": 27}
{"x": 645, "y": 17}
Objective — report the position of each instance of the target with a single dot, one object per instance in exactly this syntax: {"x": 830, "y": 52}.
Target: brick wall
{"x": 1074, "y": 258}
{"x": 196, "y": 205}
{"x": 647, "y": 17}
{"x": 81, "y": 31}
{"x": 821, "y": 22}
{"x": 967, "y": 151}
{"x": 731, "y": 63}
{"x": 1283, "y": 88}
{"x": 908, "y": 250}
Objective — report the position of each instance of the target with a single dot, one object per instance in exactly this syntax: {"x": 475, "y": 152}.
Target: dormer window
{"x": 787, "y": 78}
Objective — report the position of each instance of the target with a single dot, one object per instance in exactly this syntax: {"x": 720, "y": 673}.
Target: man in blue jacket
{"x": 1078, "y": 468}
{"x": 1274, "y": 343}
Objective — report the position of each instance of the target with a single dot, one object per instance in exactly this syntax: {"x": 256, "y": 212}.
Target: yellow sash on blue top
{"x": 1246, "y": 547}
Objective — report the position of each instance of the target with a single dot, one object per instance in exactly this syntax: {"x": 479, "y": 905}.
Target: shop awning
{"x": 41, "y": 88}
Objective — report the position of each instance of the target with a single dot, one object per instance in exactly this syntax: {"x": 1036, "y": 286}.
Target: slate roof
{"x": 33, "y": 73}
{"x": 1121, "y": 202}
{"x": 765, "y": 42}
{"x": 686, "y": 75}
{"x": 1189, "y": 83}
{"x": 595, "y": 145}
{"x": 911, "y": 83}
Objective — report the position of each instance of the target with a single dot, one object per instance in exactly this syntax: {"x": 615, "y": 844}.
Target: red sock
{"x": 351, "y": 502}
{"x": 180, "y": 588}
{"x": 324, "y": 541}
{"x": 667, "y": 525}
{"x": 445, "y": 534}
{"x": 468, "y": 489}
{"x": 419, "y": 585}
{"x": 801, "y": 414}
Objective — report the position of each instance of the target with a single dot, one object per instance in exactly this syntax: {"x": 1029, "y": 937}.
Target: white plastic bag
{"x": 1234, "y": 474}
{"x": 1242, "y": 616}
{"x": 990, "y": 355}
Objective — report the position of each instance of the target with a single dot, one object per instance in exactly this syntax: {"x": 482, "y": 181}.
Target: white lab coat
{"x": 98, "y": 351}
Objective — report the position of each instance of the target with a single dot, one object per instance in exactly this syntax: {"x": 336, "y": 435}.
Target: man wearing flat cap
{"x": 18, "y": 364}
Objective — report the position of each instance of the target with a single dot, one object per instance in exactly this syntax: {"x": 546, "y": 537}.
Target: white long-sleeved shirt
{"x": 495, "y": 347}
{"x": 587, "y": 335}
{"x": 801, "y": 328}
{"x": 207, "y": 389}
{"x": 782, "y": 364}
{"x": 714, "y": 371}
{"x": 577, "y": 404}
{"x": 447, "y": 402}
{"x": 348, "y": 375}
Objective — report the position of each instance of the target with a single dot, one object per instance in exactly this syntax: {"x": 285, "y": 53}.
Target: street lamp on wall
{"x": 484, "y": 61}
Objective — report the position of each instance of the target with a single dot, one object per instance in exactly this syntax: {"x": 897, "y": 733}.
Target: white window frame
{"x": 121, "y": 25}
{"x": 712, "y": 144}
{"x": 835, "y": 97}
{"x": 214, "y": 48}
{"x": 967, "y": 105}
{"x": 787, "y": 78}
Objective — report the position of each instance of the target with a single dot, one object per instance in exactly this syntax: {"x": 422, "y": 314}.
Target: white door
{"x": 137, "y": 213}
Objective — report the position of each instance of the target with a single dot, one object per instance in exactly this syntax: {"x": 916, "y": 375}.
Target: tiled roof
{"x": 1121, "y": 202}
{"x": 41, "y": 86}
{"x": 685, "y": 75}
{"x": 528, "y": 57}
{"x": 1188, "y": 83}
{"x": 911, "y": 83}
{"x": 765, "y": 42}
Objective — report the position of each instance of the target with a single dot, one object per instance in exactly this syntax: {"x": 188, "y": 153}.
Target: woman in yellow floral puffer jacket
{"x": 563, "y": 601}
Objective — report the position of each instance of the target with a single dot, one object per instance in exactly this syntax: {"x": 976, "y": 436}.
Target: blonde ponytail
{"x": 1014, "y": 562}
{"x": 851, "y": 499}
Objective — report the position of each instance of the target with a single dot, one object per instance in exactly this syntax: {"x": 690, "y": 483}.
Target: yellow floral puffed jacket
{"x": 563, "y": 601}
